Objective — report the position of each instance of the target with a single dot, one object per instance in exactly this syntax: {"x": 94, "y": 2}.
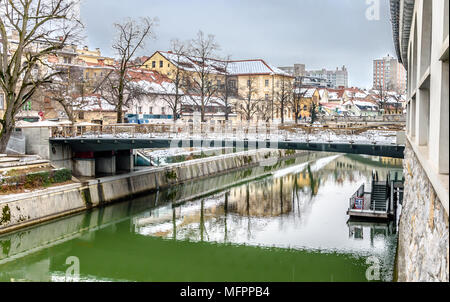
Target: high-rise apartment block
{"x": 389, "y": 74}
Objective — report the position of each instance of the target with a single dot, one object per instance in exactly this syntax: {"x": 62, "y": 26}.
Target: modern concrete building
{"x": 389, "y": 74}
{"x": 298, "y": 70}
{"x": 421, "y": 37}
{"x": 335, "y": 78}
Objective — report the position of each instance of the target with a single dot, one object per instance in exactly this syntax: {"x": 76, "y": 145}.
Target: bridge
{"x": 95, "y": 149}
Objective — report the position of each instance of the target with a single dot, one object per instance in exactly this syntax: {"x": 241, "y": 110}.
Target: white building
{"x": 335, "y": 78}
{"x": 421, "y": 37}
{"x": 389, "y": 74}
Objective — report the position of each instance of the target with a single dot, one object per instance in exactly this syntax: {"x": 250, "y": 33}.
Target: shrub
{"x": 35, "y": 180}
{"x": 61, "y": 175}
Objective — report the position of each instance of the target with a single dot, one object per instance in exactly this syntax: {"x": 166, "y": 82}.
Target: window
{"x": 153, "y": 64}
{"x": 232, "y": 83}
{"x": 161, "y": 64}
{"x": 267, "y": 96}
{"x": 163, "y": 110}
{"x": 219, "y": 83}
{"x": 150, "y": 110}
{"x": 248, "y": 83}
{"x": 267, "y": 83}
{"x": 140, "y": 109}
{"x": 81, "y": 115}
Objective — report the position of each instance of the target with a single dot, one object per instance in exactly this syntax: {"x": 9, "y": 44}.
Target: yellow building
{"x": 96, "y": 66}
{"x": 94, "y": 109}
{"x": 266, "y": 80}
{"x": 308, "y": 96}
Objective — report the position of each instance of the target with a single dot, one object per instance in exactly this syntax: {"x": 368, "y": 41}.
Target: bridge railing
{"x": 240, "y": 131}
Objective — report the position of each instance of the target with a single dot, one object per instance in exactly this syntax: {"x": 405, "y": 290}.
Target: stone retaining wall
{"x": 423, "y": 247}
{"x": 26, "y": 209}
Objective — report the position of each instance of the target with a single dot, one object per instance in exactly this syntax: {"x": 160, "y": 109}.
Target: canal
{"x": 283, "y": 221}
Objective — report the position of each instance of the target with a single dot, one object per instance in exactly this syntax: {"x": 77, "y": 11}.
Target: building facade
{"x": 298, "y": 70}
{"x": 266, "y": 80}
{"x": 389, "y": 74}
{"x": 335, "y": 78}
{"x": 421, "y": 37}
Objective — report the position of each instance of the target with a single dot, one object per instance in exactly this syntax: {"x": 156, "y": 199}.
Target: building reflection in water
{"x": 297, "y": 207}
{"x": 360, "y": 230}
{"x": 239, "y": 213}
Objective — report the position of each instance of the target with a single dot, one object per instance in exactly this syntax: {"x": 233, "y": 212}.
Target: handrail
{"x": 220, "y": 131}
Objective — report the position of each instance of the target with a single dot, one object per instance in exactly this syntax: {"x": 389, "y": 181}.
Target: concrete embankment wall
{"x": 423, "y": 247}
{"x": 22, "y": 210}
{"x": 15, "y": 245}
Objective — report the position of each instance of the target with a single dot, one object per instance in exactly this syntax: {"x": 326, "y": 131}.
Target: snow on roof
{"x": 248, "y": 67}
{"x": 93, "y": 103}
{"x": 306, "y": 92}
{"x": 158, "y": 88}
{"x": 364, "y": 104}
{"x": 357, "y": 94}
{"x": 194, "y": 100}
{"x": 241, "y": 67}
{"x": 333, "y": 96}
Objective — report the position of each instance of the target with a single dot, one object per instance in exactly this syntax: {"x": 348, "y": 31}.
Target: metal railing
{"x": 238, "y": 131}
{"x": 358, "y": 194}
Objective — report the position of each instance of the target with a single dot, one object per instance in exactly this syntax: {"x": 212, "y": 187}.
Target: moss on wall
{"x": 6, "y": 215}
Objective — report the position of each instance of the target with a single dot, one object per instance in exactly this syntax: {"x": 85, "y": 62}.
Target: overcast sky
{"x": 318, "y": 33}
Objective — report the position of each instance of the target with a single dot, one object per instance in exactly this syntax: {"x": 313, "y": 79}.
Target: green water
{"x": 288, "y": 223}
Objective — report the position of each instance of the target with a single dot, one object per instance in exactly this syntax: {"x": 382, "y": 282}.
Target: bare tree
{"x": 296, "y": 102}
{"x": 225, "y": 91}
{"x": 382, "y": 95}
{"x": 265, "y": 111}
{"x": 199, "y": 86}
{"x": 397, "y": 97}
{"x": 38, "y": 29}
{"x": 248, "y": 104}
{"x": 172, "y": 93}
{"x": 118, "y": 88}
{"x": 121, "y": 91}
{"x": 313, "y": 111}
{"x": 68, "y": 89}
{"x": 283, "y": 95}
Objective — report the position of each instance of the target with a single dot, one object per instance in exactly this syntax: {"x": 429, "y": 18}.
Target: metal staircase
{"x": 379, "y": 194}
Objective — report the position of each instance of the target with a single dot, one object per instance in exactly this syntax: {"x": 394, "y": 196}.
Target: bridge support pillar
{"x": 84, "y": 167}
{"x": 125, "y": 161}
{"x": 105, "y": 163}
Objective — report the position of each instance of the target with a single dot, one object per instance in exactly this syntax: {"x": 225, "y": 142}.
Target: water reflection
{"x": 300, "y": 207}
{"x": 297, "y": 206}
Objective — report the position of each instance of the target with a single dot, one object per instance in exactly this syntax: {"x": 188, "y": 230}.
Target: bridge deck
{"x": 80, "y": 144}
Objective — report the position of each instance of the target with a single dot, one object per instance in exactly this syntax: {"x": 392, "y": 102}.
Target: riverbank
{"x": 280, "y": 215}
{"x": 26, "y": 209}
